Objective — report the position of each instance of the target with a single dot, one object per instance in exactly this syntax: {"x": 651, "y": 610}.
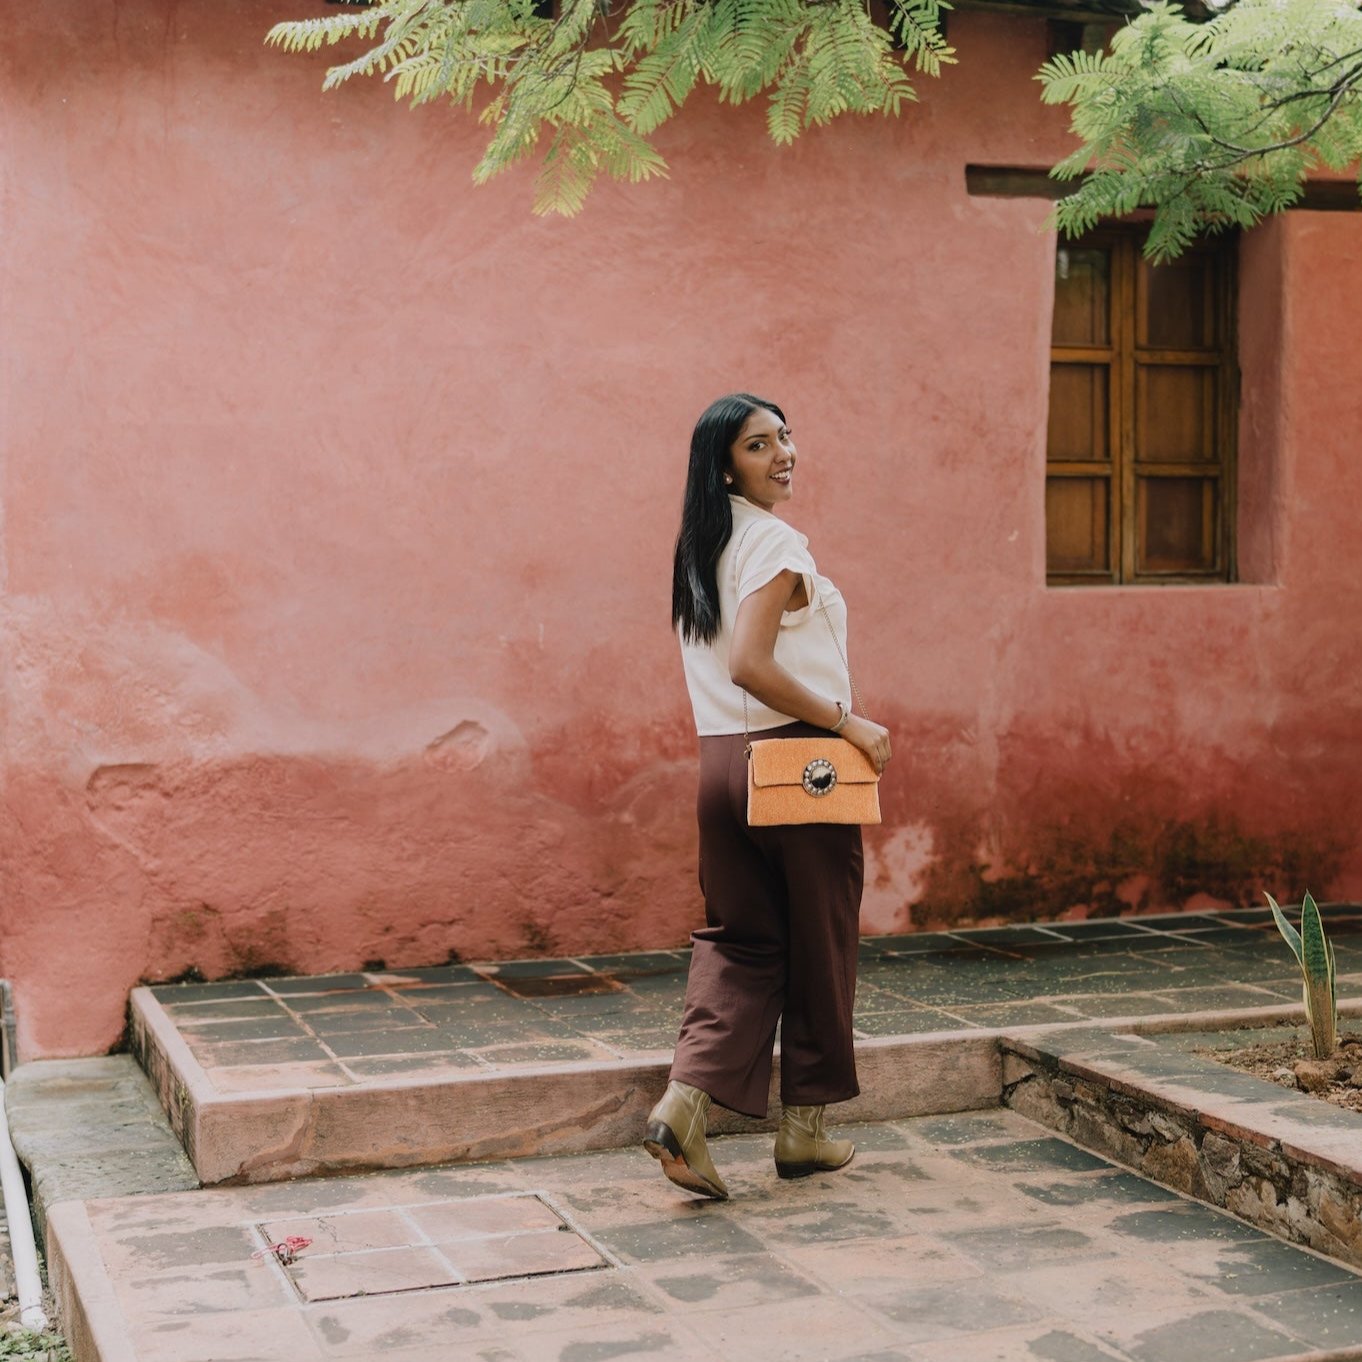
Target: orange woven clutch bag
{"x": 810, "y": 780}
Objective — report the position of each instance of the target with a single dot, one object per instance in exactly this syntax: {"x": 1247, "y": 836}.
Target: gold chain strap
{"x": 837, "y": 643}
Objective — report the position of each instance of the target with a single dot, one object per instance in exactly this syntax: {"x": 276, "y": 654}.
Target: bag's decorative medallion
{"x": 820, "y": 777}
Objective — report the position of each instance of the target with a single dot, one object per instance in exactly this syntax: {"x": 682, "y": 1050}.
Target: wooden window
{"x": 1140, "y": 449}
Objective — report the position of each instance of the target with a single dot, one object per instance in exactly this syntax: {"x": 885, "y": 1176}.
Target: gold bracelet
{"x": 843, "y": 714}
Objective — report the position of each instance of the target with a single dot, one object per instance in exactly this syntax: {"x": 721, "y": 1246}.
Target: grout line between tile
{"x": 570, "y": 1219}
{"x": 423, "y": 1240}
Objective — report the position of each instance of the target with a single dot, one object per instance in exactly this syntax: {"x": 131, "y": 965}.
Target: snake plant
{"x": 1315, "y": 955}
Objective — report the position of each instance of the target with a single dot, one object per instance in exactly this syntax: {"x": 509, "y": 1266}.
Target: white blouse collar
{"x": 750, "y": 507}
{"x": 741, "y": 506}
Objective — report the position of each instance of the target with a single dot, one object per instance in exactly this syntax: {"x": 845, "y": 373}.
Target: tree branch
{"x": 1339, "y": 91}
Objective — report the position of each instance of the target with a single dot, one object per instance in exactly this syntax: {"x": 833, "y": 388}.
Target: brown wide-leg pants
{"x": 782, "y": 907}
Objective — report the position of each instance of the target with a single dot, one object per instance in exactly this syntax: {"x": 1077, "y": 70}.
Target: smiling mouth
{"x": 783, "y": 477}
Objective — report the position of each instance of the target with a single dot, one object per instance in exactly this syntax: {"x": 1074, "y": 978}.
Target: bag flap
{"x": 781, "y": 761}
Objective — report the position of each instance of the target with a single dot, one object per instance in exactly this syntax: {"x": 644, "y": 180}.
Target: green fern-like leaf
{"x": 1067, "y": 77}
{"x": 785, "y": 113}
{"x": 309, "y": 35}
{"x": 661, "y": 81}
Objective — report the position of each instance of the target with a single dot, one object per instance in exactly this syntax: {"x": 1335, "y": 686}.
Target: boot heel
{"x": 796, "y": 1170}
{"x": 661, "y": 1142}
{"x": 685, "y": 1162}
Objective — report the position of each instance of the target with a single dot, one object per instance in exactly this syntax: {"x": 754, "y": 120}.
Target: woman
{"x": 761, "y": 639}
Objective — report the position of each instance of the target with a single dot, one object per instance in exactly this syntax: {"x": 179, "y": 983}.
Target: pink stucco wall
{"x": 338, "y": 501}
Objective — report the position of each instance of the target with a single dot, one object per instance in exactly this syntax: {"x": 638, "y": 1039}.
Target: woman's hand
{"x": 871, "y": 738}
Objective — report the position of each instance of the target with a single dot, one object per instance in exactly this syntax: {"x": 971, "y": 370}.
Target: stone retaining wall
{"x": 1262, "y": 1179}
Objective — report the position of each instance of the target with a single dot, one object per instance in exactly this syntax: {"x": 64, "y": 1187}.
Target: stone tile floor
{"x": 976, "y": 1237}
{"x": 346, "y": 1029}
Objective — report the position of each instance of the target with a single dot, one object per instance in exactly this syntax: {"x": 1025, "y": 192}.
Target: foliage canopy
{"x": 1212, "y": 124}
{"x": 597, "y": 85}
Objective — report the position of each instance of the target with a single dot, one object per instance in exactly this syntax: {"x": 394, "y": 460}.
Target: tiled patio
{"x": 353, "y": 1029}
{"x": 974, "y": 1236}
{"x": 274, "y": 1078}
{"x": 967, "y": 1238}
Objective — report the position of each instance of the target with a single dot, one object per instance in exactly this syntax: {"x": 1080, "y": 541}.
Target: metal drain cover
{"x": 429, "y": 1244}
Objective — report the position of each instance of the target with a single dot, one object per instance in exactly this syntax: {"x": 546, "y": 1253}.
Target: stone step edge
{"x": 563, "y": 1109}
{"x": 271, "y": 1135}
{"x": 87, "y": 1128}
{"x": 92, "y": 1320}
{"x": 1245, "y": 1152}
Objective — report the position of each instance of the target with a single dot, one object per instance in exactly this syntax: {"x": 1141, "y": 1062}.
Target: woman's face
{"x": 762, "y": 460}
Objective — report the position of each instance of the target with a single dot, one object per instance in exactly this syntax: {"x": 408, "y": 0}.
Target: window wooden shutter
{"x": 1140, "y": 465}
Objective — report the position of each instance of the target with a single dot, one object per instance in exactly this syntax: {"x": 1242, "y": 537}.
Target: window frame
{"x": 1123, "y": 469}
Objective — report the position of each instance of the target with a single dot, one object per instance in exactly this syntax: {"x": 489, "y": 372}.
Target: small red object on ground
{"x": 286, "y": 1250}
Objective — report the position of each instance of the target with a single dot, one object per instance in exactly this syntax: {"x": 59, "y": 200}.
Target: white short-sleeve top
{"x": 760, "y": 547}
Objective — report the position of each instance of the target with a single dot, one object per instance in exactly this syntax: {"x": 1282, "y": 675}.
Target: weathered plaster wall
{"x": 338, "y": 501}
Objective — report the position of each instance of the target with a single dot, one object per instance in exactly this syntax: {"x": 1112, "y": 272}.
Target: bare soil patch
{"x": 1292, "y": 1064}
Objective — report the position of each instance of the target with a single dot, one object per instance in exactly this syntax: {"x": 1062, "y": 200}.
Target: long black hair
{"x": 706, "y": 516}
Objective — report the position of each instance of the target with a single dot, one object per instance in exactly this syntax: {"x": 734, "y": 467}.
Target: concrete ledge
{"x": 91, "y": 1128}
{"x": 1213, "y": 1019}
{"x": 249, "y": 1131}
{"x": 1286, "y": 1162}
{"x": 273, "y": 1134}
{"x": 92, "y": 1320}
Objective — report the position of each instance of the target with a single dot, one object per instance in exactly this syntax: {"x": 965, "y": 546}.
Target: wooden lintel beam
{"x": 1030, "y": 182}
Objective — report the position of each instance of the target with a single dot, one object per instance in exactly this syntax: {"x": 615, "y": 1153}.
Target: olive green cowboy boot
{"x": 803, "y": 1147}
{"x": 676, "y": 1138}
